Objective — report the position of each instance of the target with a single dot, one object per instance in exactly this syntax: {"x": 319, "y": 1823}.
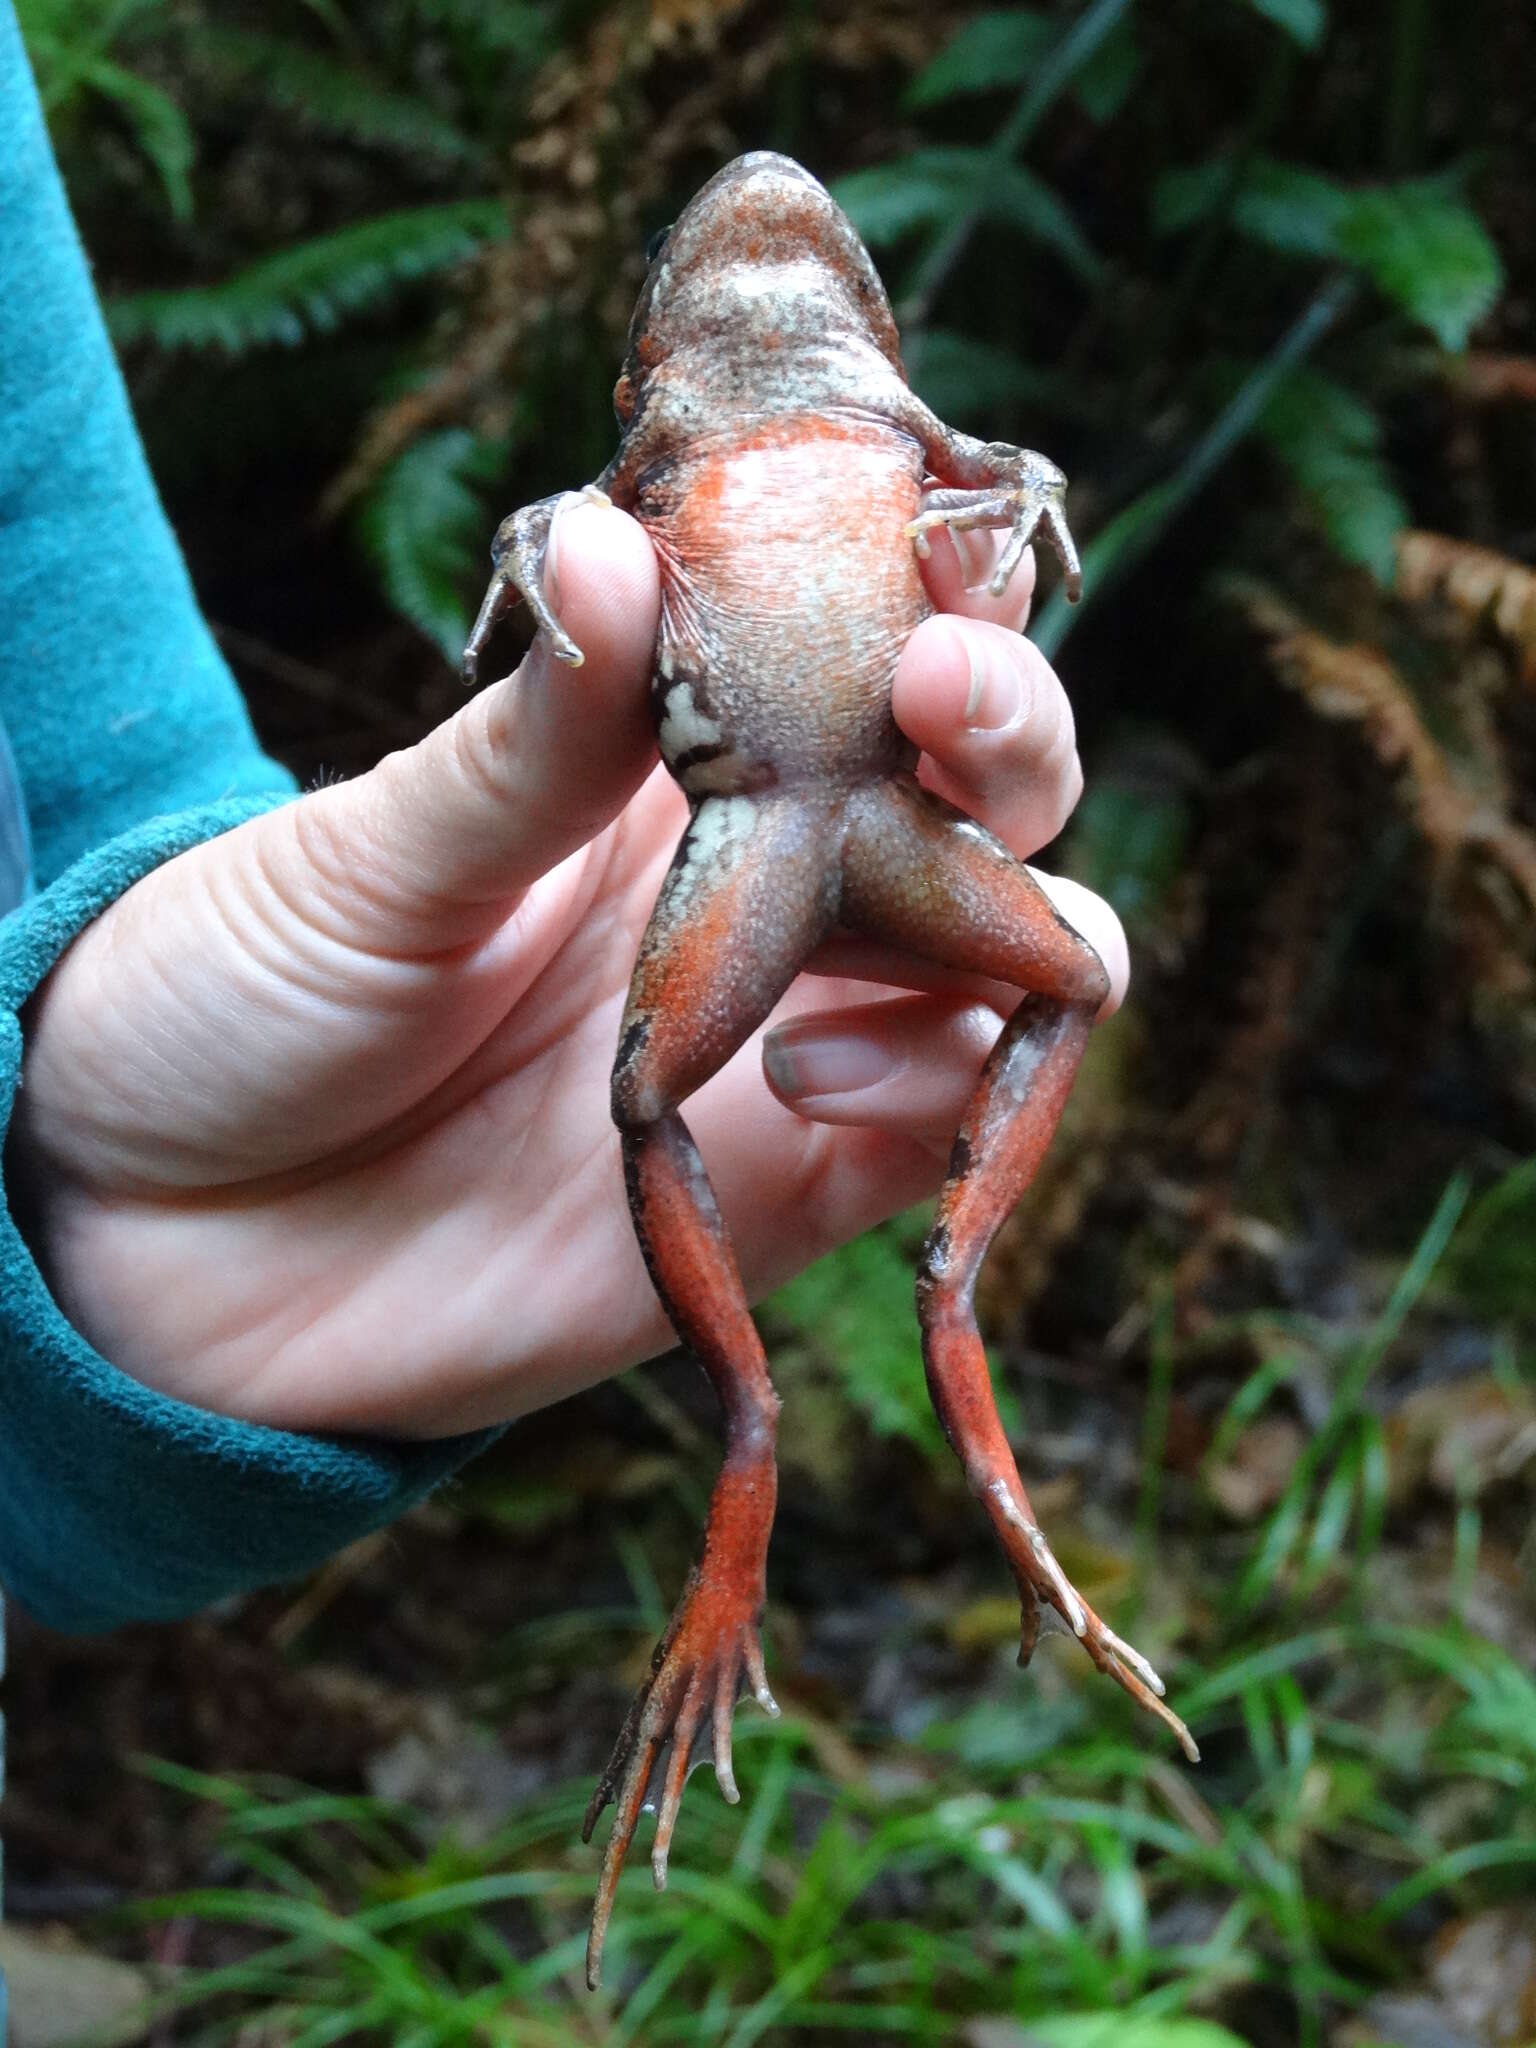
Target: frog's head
{"x": 761, "y": 257}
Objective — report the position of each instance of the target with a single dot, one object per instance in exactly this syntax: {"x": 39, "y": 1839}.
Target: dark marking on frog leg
{"x": 918, "y": 874}
{"x": 765, "y": 868}
{"x": 631, "y": 1039}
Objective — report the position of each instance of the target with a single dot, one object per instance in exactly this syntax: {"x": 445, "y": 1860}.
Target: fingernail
{"x": 975, "y": 554}
{"x": 996, "y": 694}
{"x": 805, "y": 1060}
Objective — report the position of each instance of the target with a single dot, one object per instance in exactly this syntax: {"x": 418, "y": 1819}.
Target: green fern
{"x": 1007, "y": 48}
{"x": 1417, "y": 240}
{"x": 1330, "y": 441}
{"x": 72, "y": 46}
{"x": 934, "y": 188}
{"x": 322, "y": 92}
{"x": 311, "y": 287}
{"x": 423, "y": 525}
{"x": 854, "y": 1311}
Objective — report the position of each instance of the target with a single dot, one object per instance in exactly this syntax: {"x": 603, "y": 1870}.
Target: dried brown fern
{"x": 1485, "y": 588}
{"x": 1483, "y": 858}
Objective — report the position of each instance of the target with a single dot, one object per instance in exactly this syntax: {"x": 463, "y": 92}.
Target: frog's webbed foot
{"x": 710, "y": 1650}
{"x": 517, "y": 555}
{"x": 1028, "y": 497}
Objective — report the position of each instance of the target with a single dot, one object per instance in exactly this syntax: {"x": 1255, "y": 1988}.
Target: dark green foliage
{"x": 966, "y": 380}
{"x": 73, "y": 45}
{"x": 1305, "y": 20}
{"x": 1339, "y": 1485}
{"x": 1152, "y": 243}
{"x": 855, "y": 1310}
{"x": 1331, "y": 443}
{"x": 1002, "y": 49}
{"x": 1425, "y": 248}
{"x": 1493, "y": 1261}
{"x": 932, "y": 187}
{"x": 1414, "y": 241}
{"x": 313, "y": 286}
{"x": 1129, "y": 844}
{"x": 322, "y": 92}
{"x": 423, "y": 525}
{"x": 1417, "y": 240}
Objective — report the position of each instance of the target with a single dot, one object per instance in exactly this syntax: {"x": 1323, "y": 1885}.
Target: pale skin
{"x": 316, "y": 1117}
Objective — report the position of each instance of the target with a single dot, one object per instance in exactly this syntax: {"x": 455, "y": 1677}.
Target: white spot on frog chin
{"x": 683, "y": 725}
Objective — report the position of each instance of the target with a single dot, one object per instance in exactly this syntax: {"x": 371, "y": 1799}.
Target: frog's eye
{"x": 656, "y": 244}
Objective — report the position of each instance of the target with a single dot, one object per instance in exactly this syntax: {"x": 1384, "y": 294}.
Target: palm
{"x": 371, "y": 1258}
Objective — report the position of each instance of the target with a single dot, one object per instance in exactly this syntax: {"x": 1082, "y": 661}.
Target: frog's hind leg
{"x": 919, "y": 875}
{"x": 751, "y": 890}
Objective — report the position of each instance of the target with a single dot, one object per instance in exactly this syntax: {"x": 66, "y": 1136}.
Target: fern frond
{"x": 70, "y": 45}
{"x": 522, "y": 27}
{"x": 1330, "y": 441}
{"x": 424, "y": 526}
{"x": 854, "y": 1309}
{"x": 311, "y": 287}
{"x": 1417, "y": 240}
{"x": 935, "y": 188}
{"x": 321, "y": 92}
{"x": 158, "y": 124}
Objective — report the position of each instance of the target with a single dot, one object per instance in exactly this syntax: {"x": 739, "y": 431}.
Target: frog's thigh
{"x": 920, "y": 875}
{"x": 751, "y": 890}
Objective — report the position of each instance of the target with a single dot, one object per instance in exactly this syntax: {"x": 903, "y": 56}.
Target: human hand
{"x": 316, "y": 1115}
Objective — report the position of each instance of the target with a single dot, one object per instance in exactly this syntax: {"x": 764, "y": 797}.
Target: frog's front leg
{"x": 517, "y": 558}
{"x": 751, "y": 890}
{"x": 991, "y": 483}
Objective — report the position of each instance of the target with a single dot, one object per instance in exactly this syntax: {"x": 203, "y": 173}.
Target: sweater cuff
{"x": 118, "y": 1503}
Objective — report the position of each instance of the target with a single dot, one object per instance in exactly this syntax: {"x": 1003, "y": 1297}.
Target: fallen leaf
{"x": 1254, "y": 1474}
{"x": 1460, "y": 1437}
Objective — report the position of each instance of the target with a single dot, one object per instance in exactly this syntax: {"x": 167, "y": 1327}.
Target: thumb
{"x": 426, "y": 850}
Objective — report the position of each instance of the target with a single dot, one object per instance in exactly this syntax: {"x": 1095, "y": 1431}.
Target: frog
{"x": 789, "y": 479}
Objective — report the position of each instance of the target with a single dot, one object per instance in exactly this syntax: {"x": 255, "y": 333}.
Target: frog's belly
{"x": 789, "y": 587}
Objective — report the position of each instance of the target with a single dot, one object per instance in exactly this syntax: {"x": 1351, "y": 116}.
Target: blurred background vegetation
{"x": 1260, "y": 275}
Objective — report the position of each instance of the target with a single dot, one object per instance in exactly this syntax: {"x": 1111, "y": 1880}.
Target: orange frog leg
{"x": 750, "y": 892}
{"x": 919, "y": 875}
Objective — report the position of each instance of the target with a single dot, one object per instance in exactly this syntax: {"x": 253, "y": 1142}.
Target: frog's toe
{"x": 676, "y": 1775}
{"x": 1045, "y": 1589}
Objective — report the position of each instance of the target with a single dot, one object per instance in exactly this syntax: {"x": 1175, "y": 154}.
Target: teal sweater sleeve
{"x": 132, "y": 743}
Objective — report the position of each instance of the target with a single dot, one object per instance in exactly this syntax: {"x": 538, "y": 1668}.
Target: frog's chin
{"x": 763, "y": 225}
